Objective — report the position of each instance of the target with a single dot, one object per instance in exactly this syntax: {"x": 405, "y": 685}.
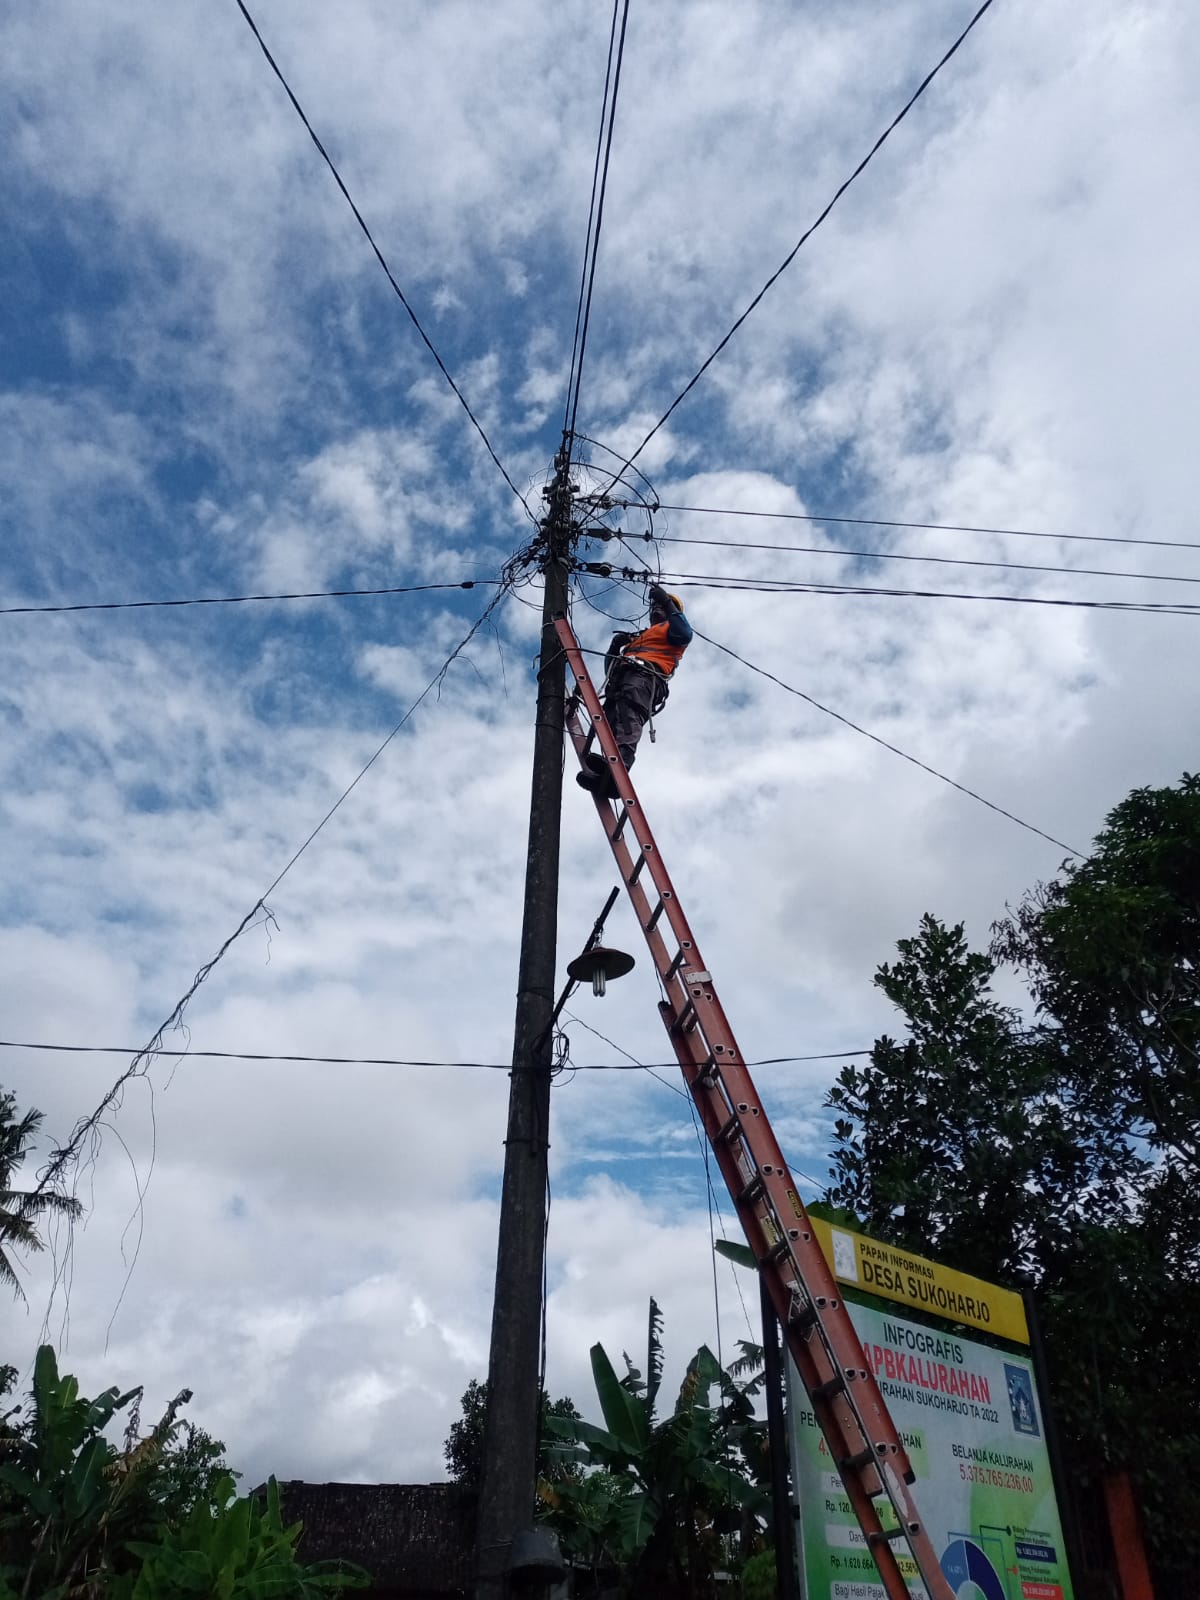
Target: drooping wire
{"x": 895, "y": 749}
{"x": 243, "y": 599}
{"x": 712, "y": 1245}
{"x": 595, "y": 233}
{"x": 704, "y": 1150}
{"x": 87, "y": 1128}
{"x": 591, "y": 601}
{"x": 808, "y": 233}
{"x": 587, "y": 243}
{"x": 650, "y": 505}
{"x": 933, "y": 527}
{"x": 379, "y": 256}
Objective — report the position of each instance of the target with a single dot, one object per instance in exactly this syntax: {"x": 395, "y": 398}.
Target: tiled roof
{"x": 411, "y": 1537}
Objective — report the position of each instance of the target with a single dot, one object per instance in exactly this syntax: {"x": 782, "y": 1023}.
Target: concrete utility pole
{"x": 508, "y": 1489}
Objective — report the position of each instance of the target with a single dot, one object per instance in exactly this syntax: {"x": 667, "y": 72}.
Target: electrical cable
{"x": 612, "y": 116}
{"x": 934, "y": 527}
{"x": 808, "y": 233}
{"x": 379, "y": 256}
{"x": 899, "y": 555}
{"x": 242, "y": 599}
{"x": 895, "y": 749}
{"x": 649, "y": 506}
{"x": 587, "y": 243}
{"x": 733, "y": 583}
{"x": 704, "y": 1150}
{"x": 712, "y": 1246}
{"x": 701, "y": 580}
{"x": 590, "y": 600}
{"x": 139, "y": 1066}
{"x": 394, "y": 1061}
{"x": 632, "y": 1061}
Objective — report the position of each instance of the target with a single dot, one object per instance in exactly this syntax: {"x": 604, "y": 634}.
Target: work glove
{"x": 660, "y": 597}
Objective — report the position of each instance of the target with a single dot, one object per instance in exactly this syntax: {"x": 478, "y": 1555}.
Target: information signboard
{"x": 971, "y": 1421}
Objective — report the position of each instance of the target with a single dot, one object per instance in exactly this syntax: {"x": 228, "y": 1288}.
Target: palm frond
{"x": 654, "y": 1356}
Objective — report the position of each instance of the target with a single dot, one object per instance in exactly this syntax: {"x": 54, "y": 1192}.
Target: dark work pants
{"x": 627, "y": 705}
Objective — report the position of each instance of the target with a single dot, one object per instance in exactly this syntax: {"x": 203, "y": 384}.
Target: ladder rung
{"x": 804, "y": 1317}
{"x": 856, "y": 1462}
{"x": 706, "y": 1078}
{"x": 831, "y": 1386}
{"x": 886, "y": 1535}
{"x": 637, "y": 869}
{"x": 652, "y": 921}
{"x": 776, "y": 1253}
{"x": 622, "y": 819}
{"x": 676, "y": 962}
{"x": 728, "y": 1129}
{"x": 686, "y": 1018}
{"x": 751, "y": 1193}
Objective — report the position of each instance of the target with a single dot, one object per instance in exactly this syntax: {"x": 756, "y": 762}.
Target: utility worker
{"x": 639, "y": 668}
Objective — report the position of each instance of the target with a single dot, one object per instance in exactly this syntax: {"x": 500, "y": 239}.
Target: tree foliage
{"x": 82, "y": 1518}
{"x": 660, "y": 1497}
{"x": 971, "y": 1140}
{"x": 1111, "y": 951}
{"x": 463, "y": 1449}
{"x": 1057, "y": 1148}
{"x": 20, "y": 1210}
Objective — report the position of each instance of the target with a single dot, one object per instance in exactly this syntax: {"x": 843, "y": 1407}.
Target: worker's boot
{"x": 608, "y": 786}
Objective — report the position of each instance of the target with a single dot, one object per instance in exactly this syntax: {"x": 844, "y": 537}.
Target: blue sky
{"x": 207, "y": 387}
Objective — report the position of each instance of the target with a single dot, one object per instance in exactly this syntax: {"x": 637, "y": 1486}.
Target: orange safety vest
{"x": 651, "y": 647}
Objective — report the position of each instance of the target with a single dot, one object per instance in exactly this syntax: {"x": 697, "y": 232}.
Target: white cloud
{"x": 211, "y": 389}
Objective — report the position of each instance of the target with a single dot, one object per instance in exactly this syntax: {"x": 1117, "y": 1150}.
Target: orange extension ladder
{"x": 861, "y": 1436}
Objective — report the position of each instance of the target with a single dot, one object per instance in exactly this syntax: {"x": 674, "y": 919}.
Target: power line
{"x": 592, "y": 245}
{"x": 934, "y": 527}
{"x": 695, "y": 580}
{"x": 700, "y": 580}
{"x": 897, "y": 555}
{"x": 808, "y": 233}
{"x": 394, "y": 1061}
{"x": 895, "y": 749}
{"x": 89, "y": 1127}
{"x": 379, "y": 256}
{"x": 713, "y": 1204}
{"x": 241, "y": 599}
{"x": 587, "y": 242}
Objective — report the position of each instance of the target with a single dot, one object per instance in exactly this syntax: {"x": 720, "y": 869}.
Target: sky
{"x": 208, "y": 388}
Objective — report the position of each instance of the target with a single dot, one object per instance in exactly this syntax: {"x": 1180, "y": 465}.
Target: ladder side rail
{"x": 851, "y": 1449}
{"x": 659, "y": 953}
{"x": 798, "y": 1280}
{"x": 761, "y": 1227}
{"x": 620, "y": 774}
{"x": 760, "y": 1157}
{"x": 761, "y": 1184}
{"x": 845, "y": 1396}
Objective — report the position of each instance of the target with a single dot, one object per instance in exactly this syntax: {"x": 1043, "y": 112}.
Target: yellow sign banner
{"x": 915, "y": 1281}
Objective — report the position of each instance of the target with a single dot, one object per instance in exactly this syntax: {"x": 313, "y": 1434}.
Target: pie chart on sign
{"x": 969, "y": 1572}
